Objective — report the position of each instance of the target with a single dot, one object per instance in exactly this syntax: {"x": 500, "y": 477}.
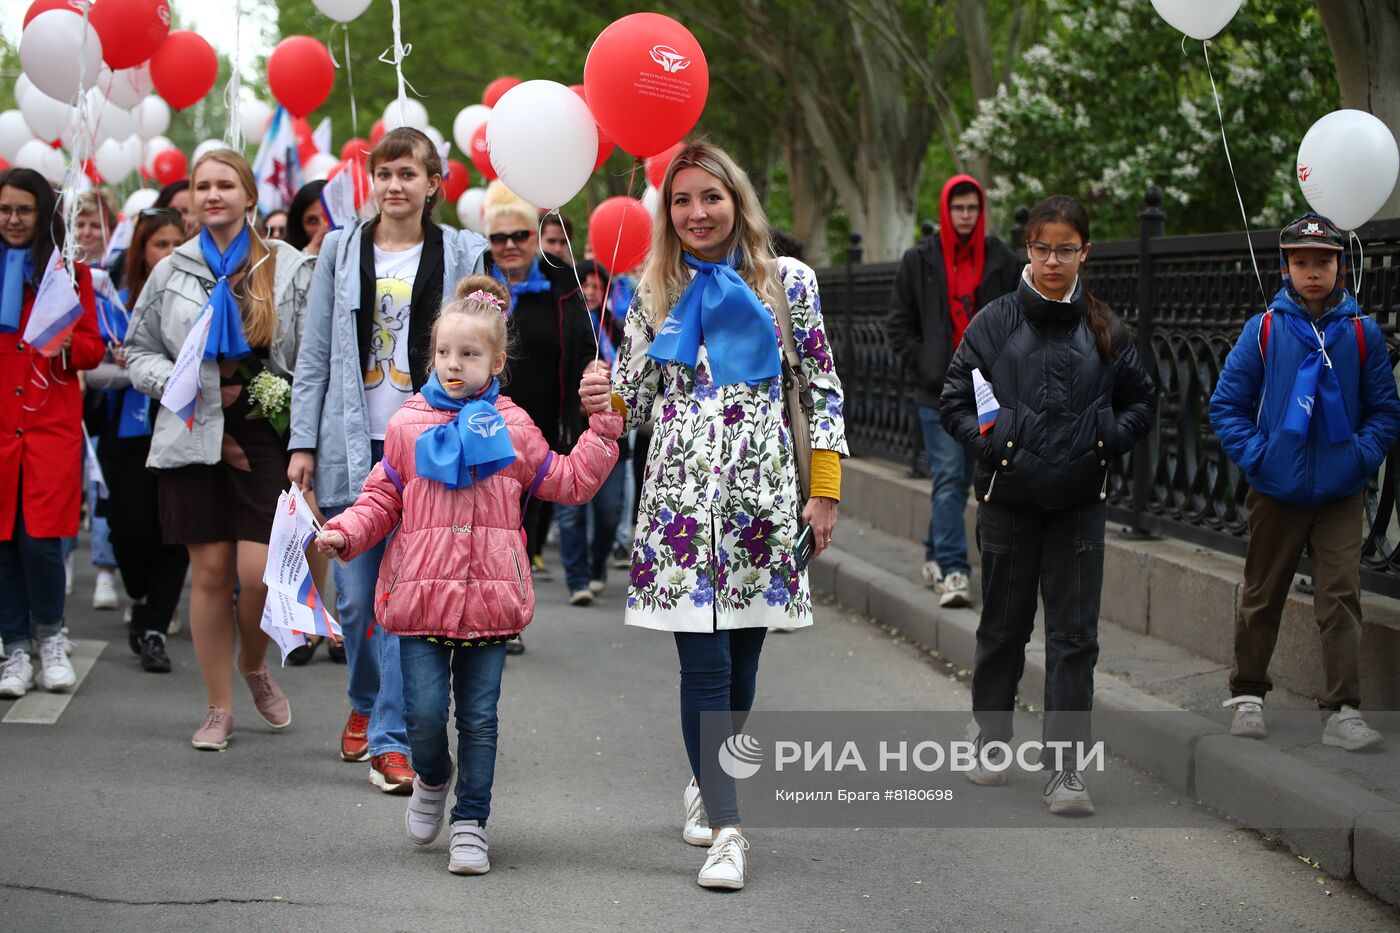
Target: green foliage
{"x": 1109, "y": 103}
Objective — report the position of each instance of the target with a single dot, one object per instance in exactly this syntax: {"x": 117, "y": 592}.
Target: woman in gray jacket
{"x": 221, "y": 467}
{"x": 377, "y": 289}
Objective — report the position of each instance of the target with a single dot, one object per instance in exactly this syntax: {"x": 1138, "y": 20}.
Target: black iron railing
{"x": 1185, "y": 298}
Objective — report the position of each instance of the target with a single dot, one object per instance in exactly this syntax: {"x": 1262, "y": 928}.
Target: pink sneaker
{"x": 212, "y": 734}
{"x": 269, "y": 699}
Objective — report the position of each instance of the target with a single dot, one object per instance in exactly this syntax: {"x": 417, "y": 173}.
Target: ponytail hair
{"x": 1059, "y": 208}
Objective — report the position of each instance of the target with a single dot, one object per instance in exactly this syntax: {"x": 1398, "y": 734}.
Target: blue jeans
{"x": 32, "y": 581}
{"x": 952, "y": 478}
{"x": 718, "y": 673}
{"x": 375, "y": 681}
{"x": 584, "y": 551}
{"x": 471, "y": 679}
{"x": 102, "y": 553}
{"x": 625, "y": 530}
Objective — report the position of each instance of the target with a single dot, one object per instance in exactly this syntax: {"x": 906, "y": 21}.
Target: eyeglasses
{"x": 518, "y": 237}
{"x": 1040, "y": 252}
{"x": 23, "y": 211}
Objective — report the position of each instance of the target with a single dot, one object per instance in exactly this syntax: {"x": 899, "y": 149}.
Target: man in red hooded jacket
{"x": 941, "y": 284}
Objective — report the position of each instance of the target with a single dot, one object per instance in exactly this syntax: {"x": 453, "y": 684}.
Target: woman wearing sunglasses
{"x": 550, "y": 338}
{"x": 364, "y": 352}
{"x": 153, "y": 569}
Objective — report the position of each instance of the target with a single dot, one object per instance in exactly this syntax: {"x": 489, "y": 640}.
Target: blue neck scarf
{"x": 606, "y": 350}
{"x": 226, "y": 328}
{"x": 721, "y": 311}
{"x": 16, "y": 266}
{"x": 470, "y": 447}
{"x": 1317, "y": 392}
{"x": 535, "y": 284}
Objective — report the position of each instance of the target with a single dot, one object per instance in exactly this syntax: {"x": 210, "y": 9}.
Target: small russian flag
{"x": 56, "y": 309}
{"x": 182, "y": 388}
{"x": 987, "y": 404}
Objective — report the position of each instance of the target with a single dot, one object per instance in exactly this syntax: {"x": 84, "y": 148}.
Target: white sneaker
{"x": 55, "y": 672}
{"x": 1348, "y": 730}
{"x": 957, "y": 591}
{"x": 980, "y": 774}
{"x": 104, "y": 592}
{"x": 697, "y": 828}
{"x": 67, "y": 642}
{"x": 426, "y": 808}
{"x": 581, "y": 598}
{"x": 1066, "y": 795}
{"x": 596, "y": 587}
{"x": 1249, "y": 716}
{"x": 724, "y": 867}
{"x": 16, "y": 675}
{"x": 469, "y": 846}
{"x": 932, "y": 574}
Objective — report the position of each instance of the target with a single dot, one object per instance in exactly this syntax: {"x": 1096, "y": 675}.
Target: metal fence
{"x": 1184, "y": 297}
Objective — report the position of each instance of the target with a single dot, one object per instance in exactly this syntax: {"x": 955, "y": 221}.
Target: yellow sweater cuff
{"x": 826, "y": 474}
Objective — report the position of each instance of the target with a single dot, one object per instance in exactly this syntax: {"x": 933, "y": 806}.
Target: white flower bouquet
{"x": 272, "y": 399}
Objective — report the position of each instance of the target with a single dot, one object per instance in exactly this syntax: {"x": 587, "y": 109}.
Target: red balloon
{"x": 456, "y": 181}
{"x": 3, "y": 164}
{"x": 647, "y": 80}
{"x": 300, "y": 74}
{"x": 184, "y": 68}
{"x": 376, "y": 132}
{"x": 356, "y": 149}
{"x": 169, "y": 165}
{"x": 480, "y": 157}
{"x": 131, "y": 30}
{"x": 619, "y": 230}
{"x": 43, "y": 6}
{"x": 497, "y": 89}
{"x": 659, "y": 163}
{"x": 605, "y": 144}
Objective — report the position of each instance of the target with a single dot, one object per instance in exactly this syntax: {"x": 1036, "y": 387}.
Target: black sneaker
{"x": 299, "y": 657}
{"x": 621, "y": 558}
{"x": 154, "y": 660}
{"x": 337, "y": 652}
{"x": 134, "y": 638}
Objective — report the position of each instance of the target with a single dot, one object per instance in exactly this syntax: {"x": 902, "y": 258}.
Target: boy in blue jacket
{"x": 1307, "y": 407}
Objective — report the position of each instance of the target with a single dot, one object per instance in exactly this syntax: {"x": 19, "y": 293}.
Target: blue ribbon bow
{"x": 226, "y": 327}
{"x": 720, "y": 310}
{"x": 1317, "y": 392}
{"x": 535, "y": 283}
{"x": 470, "y": 447}
{"x": 16, "y": 266}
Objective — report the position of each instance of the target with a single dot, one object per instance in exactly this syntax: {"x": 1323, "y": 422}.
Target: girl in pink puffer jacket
{"x": 455, "y": 582}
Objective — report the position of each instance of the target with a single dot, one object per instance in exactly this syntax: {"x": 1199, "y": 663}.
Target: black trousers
{"x": 151, "y": 569}
{"x": 1059, "y": 555}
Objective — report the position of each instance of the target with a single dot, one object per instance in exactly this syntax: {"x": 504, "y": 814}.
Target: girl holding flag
{"x": 217, "y": 322}
{"x": 43, "y": 345}
{"x": 455, "y": 585}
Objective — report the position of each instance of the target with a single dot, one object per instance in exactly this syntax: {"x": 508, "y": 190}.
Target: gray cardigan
{"x": 172, "y": 300}
{"x": 329, "y": 413}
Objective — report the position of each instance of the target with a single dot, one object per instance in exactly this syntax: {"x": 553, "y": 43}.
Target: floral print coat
{"x": 718, "y": 514}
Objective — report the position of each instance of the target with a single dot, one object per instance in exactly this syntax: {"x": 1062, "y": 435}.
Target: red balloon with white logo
{"x": 131, "y": 30}
{"x": 481, "y": 158}
{"x": 646, "y": 81}
{"x": 170, "y": 166}
{"x": 355, "y": 148}
{"x": 619, "y": 230}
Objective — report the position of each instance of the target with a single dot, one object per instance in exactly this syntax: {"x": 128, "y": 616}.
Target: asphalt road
{"x": 113, "y": 823}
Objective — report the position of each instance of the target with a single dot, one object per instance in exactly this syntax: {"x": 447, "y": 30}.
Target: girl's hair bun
{"x": 483, "y": 283}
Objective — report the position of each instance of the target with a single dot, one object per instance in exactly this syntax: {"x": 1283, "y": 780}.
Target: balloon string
{"x": 597, "y": 345}
{"x": 399, "y": 52}
{"x": 1356, "y": 268}
{"x": 1220, "y": 112}
{"x": 234, "y": 134}
{"x": 617, "y": 244}
{"x": 350, "y": 84}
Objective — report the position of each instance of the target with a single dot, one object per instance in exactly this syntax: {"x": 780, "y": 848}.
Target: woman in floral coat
{"x": 713, "y": 559}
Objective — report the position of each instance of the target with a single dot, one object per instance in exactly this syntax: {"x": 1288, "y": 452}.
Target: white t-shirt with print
{"x": 388, "y": 383}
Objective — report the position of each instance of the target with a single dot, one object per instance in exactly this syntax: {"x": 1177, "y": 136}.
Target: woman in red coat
{"x": 41, "y": 439}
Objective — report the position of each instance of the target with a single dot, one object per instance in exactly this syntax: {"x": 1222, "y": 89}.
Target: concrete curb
{"x": 1351, "y": 832}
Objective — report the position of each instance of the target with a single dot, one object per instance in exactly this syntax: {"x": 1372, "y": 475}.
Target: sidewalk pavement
{"x": 1346, "y": 804}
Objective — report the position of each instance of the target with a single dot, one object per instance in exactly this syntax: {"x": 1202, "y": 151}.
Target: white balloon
{"x": 52, "y": 51}
{"x": 542, "y": 142}
{"x": 112, "y": 162}
{"x": 342, "y": 11}
{"x": 42, "y": 158}
{"x": 466, "y": 123}
{"x": 14, "y": 133}
{"x": 469, "y": 209}
{"x": 138, "y": 201}
{"x": 108, "y": 119}
{"x": 651, "y": 199}
{"x": 46, "y": 117}
{"x": 152, "y": 148}
{"x": 126, "y": 87}
{"x": 414, "y": 114}
{"x": 1199, "y": 19}
{"x": 253, "y": 116}
{"x": 436, "y": 136}
{"x": 209, "y": 145}
{"x": 135, "y": 153}
{"x": 1347, "y": 166}
{"x": 152, "y": 117}
{"x": 22, "y": 87}
{"x": 320, "y": 165}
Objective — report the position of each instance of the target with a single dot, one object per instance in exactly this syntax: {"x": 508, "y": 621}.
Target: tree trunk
{"x": 811, "y": 197}
{"x": 1364, "y": 35}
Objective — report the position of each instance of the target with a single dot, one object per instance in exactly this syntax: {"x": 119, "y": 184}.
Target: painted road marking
{"x": 41, "y": 708}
